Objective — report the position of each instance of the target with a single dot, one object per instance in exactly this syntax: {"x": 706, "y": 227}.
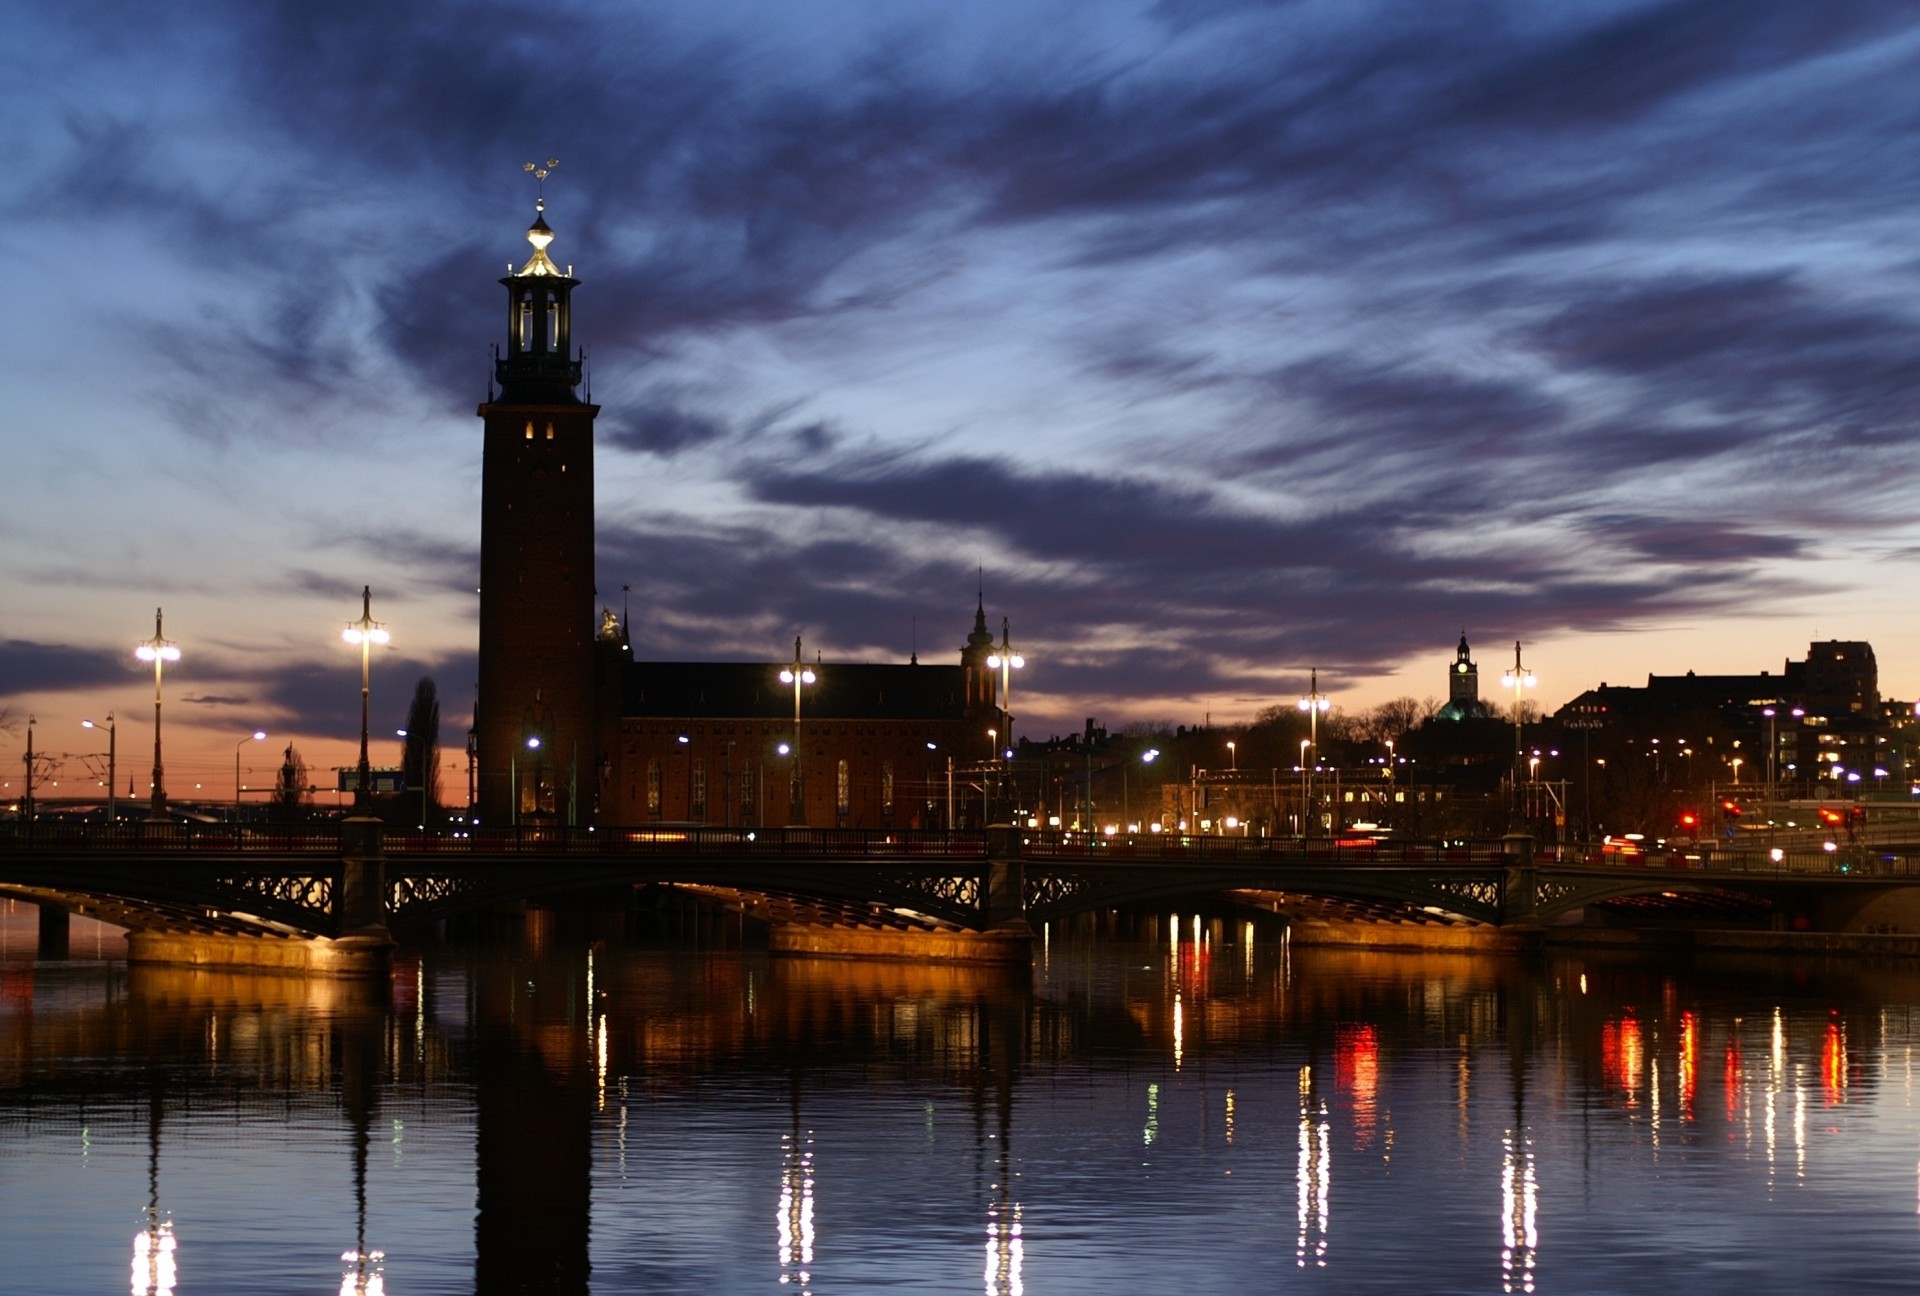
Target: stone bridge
{"x": 345, "y": 886}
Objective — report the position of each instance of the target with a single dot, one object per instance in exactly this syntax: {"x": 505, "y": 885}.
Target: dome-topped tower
{"x": 535, "y": 722}
{"x": 537, "y": 364}
{"x": 1463, "y": 686}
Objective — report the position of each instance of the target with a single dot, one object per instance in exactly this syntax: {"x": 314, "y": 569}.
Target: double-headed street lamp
{"x": 799, "y": 675}
{"x": 112, "y": 760}
{"x": 366, "y": 632}
{"x": 1315, "y": 704}
{"x": 258, "y": 735}
{"x": 158, "y": 650}
{"x": 1519, "y": 679}
{"x": 1006, "y": 661}
{"x": 1773, "y": 754}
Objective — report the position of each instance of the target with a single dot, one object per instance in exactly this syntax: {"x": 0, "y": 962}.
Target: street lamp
{"x": 513, "y": 776}
{"x": 1006, "y": 661}
{"x": 1146, "y": 758}
{"x": 799, "y": 676}
{"x": 1233, "y": 759}
{"x": 27, "y": 814}
{"x": 258, "y": 735}
{"x": 366, "y": 632}
{"x": 1314, "y": 704}
{"x": 1519, "y": 679}
{"x": 112, "y": 764}
{"x": 1304, "y": 785}
{"x": 158, "y": 650}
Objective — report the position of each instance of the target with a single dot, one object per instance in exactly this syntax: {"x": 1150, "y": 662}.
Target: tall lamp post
{"x": 799, "y": 676}
{"x": 158, "y": 650}
{"x": 1314, "y": 704}
{"x": 1519, "y": 679}
{"x": 28, "y": 812}
{"x": 365, "y": 633}
{"x": 1304, "y": 744}
{"x": 113, "y": 743}
{"x": 1006, "y": 661}
{"x": 1146, "y": 758}
{"x": 258, "y": 735}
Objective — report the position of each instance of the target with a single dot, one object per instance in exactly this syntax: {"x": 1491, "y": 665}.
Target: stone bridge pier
{"x": 1004, "y": 937}
{"x": 361, "y": 945}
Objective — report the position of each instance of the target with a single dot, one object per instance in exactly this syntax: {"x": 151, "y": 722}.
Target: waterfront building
{"x": 569, "y": 728}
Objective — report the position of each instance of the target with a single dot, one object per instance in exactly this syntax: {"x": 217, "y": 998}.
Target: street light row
{"x": 161, "y": 651}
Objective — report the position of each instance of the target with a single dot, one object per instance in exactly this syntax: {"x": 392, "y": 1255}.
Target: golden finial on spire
{"x": 539, "y": 234}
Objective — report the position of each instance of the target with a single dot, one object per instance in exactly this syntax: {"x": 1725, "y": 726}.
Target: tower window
{"x": 549, "y": 431}
{"x": 529, "y": 429}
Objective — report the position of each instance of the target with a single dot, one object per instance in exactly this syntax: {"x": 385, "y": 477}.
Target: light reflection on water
{"x": 1179, "y": 1102}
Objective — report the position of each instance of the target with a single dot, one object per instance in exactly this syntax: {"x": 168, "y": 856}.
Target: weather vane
{"x": 540, "y": 174}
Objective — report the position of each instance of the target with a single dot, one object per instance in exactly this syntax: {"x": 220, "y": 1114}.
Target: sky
{"x": 1211, "y": 341}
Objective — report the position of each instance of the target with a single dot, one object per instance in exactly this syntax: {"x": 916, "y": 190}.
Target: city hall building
{"x": 570, "y": 729}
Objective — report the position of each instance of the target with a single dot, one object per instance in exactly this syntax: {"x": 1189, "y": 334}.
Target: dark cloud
{"x": 27, "y": 667}
{"x": 661, "y": 427}
{"x": 1703, "y": 545}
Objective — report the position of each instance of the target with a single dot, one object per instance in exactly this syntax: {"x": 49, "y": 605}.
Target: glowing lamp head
{"x": 259, "y": 735}
{"x": 533, "y": 744}
{"x": 1149, "y": 754}
{"x": 164, "y": 652}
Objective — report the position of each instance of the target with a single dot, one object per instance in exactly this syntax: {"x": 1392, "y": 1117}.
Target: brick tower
{"x": 534, "y": 722}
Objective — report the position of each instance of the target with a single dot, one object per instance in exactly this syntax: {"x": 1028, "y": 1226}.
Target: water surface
{"x": 1167, "y": 1103}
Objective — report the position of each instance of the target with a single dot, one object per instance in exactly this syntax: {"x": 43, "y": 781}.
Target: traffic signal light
{"x": 1829, "y": 816}
{"x": 1688, "y": 819}
{"x": 1730, "y": 808}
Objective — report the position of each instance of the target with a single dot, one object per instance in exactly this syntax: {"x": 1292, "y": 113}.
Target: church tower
{"x": 535, "y": 719}
{"x": 1463, "y": 680}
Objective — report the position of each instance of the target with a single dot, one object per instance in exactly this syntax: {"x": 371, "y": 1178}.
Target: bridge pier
{"x": 1520, "y": 888}
{"x": 54, "y": 928}
{"x": 364, "y": 947}
{"x": 1004, "y": 938}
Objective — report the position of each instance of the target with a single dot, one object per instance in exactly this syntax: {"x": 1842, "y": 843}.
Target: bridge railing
{"x": 185, "y": 838}
{"x": 1167, "y": 847}
{"x": 691, "y": 839}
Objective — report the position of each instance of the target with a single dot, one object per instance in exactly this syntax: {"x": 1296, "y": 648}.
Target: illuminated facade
{"x": 877, "y": 745}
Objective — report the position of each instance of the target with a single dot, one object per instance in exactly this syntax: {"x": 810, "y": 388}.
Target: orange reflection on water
{"x": 1689, "y": 1062}
{"x": 1733, "y": 1076}
{"x": 1833, "y": 1064}
{"x": 1623, "y": 1057}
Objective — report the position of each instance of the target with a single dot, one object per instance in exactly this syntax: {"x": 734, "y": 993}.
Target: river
{"x": 1168, "y": 1103}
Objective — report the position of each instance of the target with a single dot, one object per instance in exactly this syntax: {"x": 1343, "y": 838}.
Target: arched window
{"x": 844, "y": 788}
{"x": 886, "y": 787}
{"x": 653, "y": 787}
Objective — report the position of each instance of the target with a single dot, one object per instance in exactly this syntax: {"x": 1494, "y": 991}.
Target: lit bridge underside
{"x": 291, "y": 883}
